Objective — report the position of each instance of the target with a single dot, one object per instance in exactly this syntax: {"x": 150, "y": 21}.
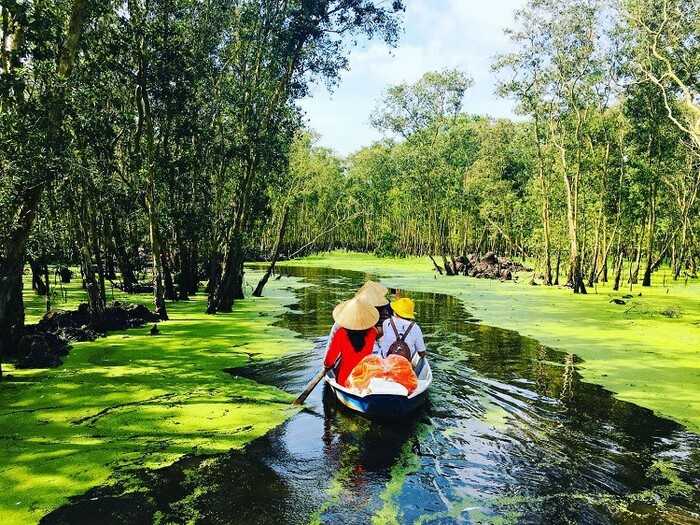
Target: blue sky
{"x": 465, "y": 34}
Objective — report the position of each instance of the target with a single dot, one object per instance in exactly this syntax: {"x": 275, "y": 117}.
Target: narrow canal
{"x": 510, "y": 435}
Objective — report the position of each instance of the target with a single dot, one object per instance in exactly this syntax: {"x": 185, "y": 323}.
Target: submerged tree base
{"x": 44, "y": 343}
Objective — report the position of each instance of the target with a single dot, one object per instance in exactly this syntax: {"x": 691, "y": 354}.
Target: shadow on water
{"x": 510, "y": 435}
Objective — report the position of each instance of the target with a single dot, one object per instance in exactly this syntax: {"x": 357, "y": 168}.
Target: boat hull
{"x": 380, "y": 405}
{"x": 383, "y": 405}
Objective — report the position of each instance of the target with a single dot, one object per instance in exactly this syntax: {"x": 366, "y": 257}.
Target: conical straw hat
{"x": 355, "y": 314}
{"x": 383, "y": 290}
{"x": 373, "y": 297}
{"x": 338, "y": 308}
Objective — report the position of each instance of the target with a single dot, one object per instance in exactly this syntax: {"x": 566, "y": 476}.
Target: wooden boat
{"x": 394, "y": 401}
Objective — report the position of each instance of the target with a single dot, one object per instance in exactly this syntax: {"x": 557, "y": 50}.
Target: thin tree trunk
{"x": 48, "y": 287}
{"x": 280, "y": 237}
{"x": 646, "y": 281}
{"x": 96, "y": 304}
{"x": 618, "y": 271}
{"x": 146, "y": 123}
{"x": 604, "y": 269}
{"x": 634, "y": 269}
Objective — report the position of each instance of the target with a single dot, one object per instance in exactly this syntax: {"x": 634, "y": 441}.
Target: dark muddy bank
{"x": 44, "y": 343}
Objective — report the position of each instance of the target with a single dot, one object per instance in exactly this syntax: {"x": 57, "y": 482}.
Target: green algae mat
{"x": 646, "y": 351}
{"x": 131, "y": 400}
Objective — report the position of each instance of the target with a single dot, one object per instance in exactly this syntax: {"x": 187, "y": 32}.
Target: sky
{"x": 438, "y": 34}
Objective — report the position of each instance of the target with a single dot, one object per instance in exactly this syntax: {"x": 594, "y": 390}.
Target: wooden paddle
{"x": 312, "y": 384}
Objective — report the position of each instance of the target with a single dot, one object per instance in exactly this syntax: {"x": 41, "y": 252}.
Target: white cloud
{"x": 465, "y": 34}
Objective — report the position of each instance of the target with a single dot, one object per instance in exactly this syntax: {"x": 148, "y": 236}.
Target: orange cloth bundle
{"x": 370, "y": 366}
{"x": 399, "y": 369}
{"x": 394, "y": 368}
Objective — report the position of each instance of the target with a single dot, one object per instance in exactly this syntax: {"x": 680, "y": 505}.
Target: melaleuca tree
{"x": 277, "y": 47}
{"x": 420, "y": 113}
{"x": 44, "y": 39}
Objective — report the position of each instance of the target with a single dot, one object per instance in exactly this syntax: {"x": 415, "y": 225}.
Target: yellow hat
{"x": 404, "y": 308}
{"x": 373, "y": 297}
{"x": 355, "y": 314}
{"x": 380, "y": 289}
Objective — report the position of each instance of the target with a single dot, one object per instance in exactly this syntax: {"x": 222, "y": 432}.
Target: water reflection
{"x": 510, "y": 435}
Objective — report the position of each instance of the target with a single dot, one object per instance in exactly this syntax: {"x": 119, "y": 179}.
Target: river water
{"x": 510, "y": 434}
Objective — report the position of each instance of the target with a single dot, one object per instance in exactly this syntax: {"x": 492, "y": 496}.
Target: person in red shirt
{"x": 354, "y": 339}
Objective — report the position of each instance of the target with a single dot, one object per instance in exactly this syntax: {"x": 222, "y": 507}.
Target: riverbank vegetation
{"x": 601, "y": 172}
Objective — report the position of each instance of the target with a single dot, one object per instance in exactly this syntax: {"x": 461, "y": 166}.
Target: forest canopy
{"x": 161, "y": 144}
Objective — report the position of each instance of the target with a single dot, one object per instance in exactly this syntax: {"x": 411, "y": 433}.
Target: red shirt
{"x": 349, "y": 357}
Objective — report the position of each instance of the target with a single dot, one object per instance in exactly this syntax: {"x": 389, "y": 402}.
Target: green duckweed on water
{"x": 647, "y": 351}
{"x": 408, "y": 463}
{"x": 131, "y": 400}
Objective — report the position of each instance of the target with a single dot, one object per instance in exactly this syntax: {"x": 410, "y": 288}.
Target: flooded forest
{"x": 177, "y": 241}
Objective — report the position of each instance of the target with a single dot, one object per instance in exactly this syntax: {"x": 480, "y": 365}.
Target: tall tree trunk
{"x": 110, "y": 270}
{"x": 96, "y": 250}
{"x": 574, "y": 276}
{"x": 680, "y": 254}
{"x": 193, "y": 271}
{"x": 156, "y": 256}
{"x": 37, "y": 276}
{"x": 594, "y": 260}
{"x": 116, "y": 245}
{"x": 188, "y": 270}
{"x": 556, "y": 276}
{"x": 47, "y": 284}
{"x": 13, "y": 253}
{"x": 96, "y": 302}
{"x": 230, "y": 285}
{"x": 604, "y": 272}
{"x": 145, "y": 122}
{"x": 634, "y": 268}
{"x": 646, "y": 281}
{"x": 11, "y": 304}
{"x": 169, "y": 286}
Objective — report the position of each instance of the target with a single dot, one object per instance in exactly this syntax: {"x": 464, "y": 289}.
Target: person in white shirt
{"x": 403, "y": 318}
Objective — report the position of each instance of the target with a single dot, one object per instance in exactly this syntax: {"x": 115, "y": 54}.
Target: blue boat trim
{"x": 384, "y": 404}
